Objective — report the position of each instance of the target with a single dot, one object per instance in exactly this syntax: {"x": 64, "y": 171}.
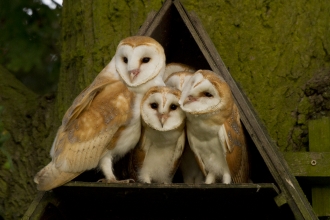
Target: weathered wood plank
{"x": 147, "y": 23}
{"x": 319, "y": 135}
{"x": 319, "y": 141}
{"x": 175, "y": 186}
{"x": 309, "y": 164}
{"x": 321, "y": 200}
{"x": 148, "y": 28}
{"x": 39, "y": 205}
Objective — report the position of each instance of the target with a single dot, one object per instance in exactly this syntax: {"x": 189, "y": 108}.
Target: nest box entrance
{"x": 274, "y": 193}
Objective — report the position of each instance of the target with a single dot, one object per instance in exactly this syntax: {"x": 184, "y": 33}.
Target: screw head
{"x": 313, "y": 162}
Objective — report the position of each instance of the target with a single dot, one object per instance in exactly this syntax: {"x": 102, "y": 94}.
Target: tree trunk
{"x": 272, "y": 48}
{"x": 28, "y": 119}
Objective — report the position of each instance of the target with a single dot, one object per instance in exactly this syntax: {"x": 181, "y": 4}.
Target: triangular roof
{"x": 170, "y": 26}
{"x": 182, "y": 35}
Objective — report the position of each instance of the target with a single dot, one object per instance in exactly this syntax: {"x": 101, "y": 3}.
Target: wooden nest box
{"x": 274, "y": 193}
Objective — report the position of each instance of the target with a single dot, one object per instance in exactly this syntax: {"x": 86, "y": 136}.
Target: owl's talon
{"x": 102, "y": 181}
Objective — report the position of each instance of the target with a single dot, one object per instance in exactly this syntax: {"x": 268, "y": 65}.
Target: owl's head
{"x": 178, "y": 79}
{"x": 206, "y": 92}
{"x": 160, "y": 108}
{"x": 172, "y": 68}
{"x": 139, "y": 59}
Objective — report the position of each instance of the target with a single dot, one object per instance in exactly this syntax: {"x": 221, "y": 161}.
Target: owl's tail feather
{"x": 50, "y": 177}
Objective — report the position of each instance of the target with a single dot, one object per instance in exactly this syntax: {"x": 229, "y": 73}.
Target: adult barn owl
{"x": 214, "y": 129}
{"x": 103, "y": 123}
{"x": 190, "y": 170}
{"x": 157, "y": 155}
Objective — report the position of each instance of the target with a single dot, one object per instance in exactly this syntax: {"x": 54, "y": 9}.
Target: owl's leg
{"x": 226, "y": 178}
{"x": 145, "y": 178}
{"x": 106, "y": 167}
{"x": 210, "y": 178}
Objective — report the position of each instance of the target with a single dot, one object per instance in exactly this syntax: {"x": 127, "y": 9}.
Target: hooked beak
{"x": 133, "y": 74}
{"x": 162, "y": 118}
{"x": 189, "y": 99}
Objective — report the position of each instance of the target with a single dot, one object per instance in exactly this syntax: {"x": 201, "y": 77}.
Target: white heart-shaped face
{"x": 199, "y": 95}
{"x": 160, "y": 109}
{"x": 139, "y": 64}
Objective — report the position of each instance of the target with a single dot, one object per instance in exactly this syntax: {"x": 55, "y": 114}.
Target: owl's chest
{"x": 159, "y": 163}
{"x": 202, "y": 128}
{"x": 162, "y": 139}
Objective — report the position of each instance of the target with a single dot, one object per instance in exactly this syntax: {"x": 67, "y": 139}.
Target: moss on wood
{"x": 272, "y": 48}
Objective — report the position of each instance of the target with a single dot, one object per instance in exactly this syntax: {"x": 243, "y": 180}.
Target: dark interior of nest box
{"x": 178, "y": 43}
{"x": 180, "y": 46}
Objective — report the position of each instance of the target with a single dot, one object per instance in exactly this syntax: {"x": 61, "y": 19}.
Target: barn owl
{"x": 214, "y": 129}
{"x": 103, "y": 123}
{"x": 190, "y": 170}
{"x": 172, "y": 68}
{"x": 157, "y": 155}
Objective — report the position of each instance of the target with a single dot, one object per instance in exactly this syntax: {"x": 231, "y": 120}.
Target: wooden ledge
{"x": 314, "y": 166}
{"x": 90, "y": 200}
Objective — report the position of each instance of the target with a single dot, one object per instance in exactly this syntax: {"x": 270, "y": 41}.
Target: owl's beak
{"x": 162, "y": 118}
{"x": 133, "y": 74}
{"x": 189, "y": 99}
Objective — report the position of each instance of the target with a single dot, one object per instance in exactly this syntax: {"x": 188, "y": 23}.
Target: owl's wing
{"x": 90, "y": 124}
{"x": 178, "y": 152}
{"x": 235, "y": 147}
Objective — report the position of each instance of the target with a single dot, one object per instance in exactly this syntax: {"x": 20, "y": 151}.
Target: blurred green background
{"x": 29, "y": 42}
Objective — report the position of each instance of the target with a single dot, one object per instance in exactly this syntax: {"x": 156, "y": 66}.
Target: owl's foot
{"x": 210, "y": 178}
{"x": 226, "y": 178}
{"x": 115, "y": 181}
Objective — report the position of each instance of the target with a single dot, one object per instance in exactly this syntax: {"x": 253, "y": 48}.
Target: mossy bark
{"x": 28, "y": 120}
{"x": 272, "y": 48}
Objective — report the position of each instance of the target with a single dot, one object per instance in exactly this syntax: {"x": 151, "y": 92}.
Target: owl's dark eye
{"x": 154, "y": 105}
{"x": 145, "y": 60}
{"x": 207, "y": 94}
{"x": 125, "y": 59}
{"x": 173, "y": 107}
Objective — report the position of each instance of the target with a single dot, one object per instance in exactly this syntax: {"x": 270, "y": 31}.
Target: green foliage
{"x": 29, "y": 42}
{"x": 4, "y": 135}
